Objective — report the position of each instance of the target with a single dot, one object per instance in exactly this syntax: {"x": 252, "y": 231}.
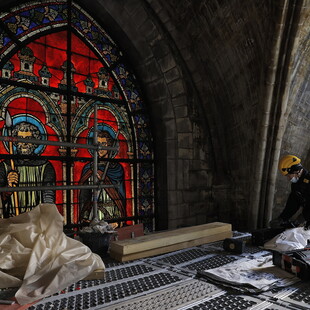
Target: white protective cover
{"x": 37, "y": 257}
{"x": 289, "y": 240}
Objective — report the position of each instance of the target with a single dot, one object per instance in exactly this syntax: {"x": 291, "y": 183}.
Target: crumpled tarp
{"x": 37, "y": 257}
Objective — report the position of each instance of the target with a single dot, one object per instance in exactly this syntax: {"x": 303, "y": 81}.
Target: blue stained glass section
{"x": 144, "y": 150}
{"x": 19, "y": 30}
{"x": 146, "y": 181}
{"x": 99, "y": 46}
{"x": 82, "y": 16}
{"x": 46, "y": 21}
{"x": 127, "y": 80}
{"x": 59, "y": 18}
{"x": 11, "y": 20}
{"x": 6, "y": 40}
{"x": 90, "y": 36}
{"x": 58, "y": 7}
{"x": 32, "y": 25}
{"x": 94, "y": 28}
{"x": 25, "y": 13}
{"x": 79, "y": 26}
{"x": 40, "y": 9}
{"x": 35, "y": 17}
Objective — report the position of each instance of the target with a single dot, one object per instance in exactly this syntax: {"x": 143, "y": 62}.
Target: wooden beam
{"x": 167, "y": 241}
{"x": 171, "y": 248}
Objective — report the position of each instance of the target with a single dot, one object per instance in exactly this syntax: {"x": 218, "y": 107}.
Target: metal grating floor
{"x": 171, "y": 281}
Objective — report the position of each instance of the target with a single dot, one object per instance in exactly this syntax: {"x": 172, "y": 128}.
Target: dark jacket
{"x": 299, "y": 197}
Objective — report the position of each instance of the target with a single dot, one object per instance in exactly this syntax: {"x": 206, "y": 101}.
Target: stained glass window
{"x": 64, "y": 82}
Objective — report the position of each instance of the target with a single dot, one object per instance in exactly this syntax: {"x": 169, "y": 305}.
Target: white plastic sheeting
{"x": 37, "y": 257}
{"x": 290, "y": 239}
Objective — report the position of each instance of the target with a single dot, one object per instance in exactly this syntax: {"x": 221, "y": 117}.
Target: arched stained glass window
{"x": 64, "y": 82}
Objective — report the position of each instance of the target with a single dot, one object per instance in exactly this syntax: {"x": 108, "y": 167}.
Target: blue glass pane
{"x": 129, "y": 87}
{"x": 37, "y": 16}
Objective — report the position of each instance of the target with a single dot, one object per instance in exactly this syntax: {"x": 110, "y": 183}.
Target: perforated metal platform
{"x": 170, "y": 281}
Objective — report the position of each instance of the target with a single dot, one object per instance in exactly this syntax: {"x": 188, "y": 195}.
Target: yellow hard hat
{"x": 289, "y": 164}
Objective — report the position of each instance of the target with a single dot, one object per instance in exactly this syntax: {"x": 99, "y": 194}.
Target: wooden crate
{"x": 168, "y": 241}
{"x": 129, "y": 232}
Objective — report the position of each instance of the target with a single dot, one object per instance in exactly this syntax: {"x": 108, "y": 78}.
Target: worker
{"x": 299, "y": 197}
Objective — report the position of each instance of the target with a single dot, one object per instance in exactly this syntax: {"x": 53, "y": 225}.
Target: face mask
{"x": 294, "y": 179}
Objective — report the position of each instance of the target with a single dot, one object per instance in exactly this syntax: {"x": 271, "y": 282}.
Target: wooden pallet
{"x": 168, "y": 241}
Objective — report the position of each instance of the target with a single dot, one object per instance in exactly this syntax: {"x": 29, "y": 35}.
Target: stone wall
{"x": 226, "y": 46}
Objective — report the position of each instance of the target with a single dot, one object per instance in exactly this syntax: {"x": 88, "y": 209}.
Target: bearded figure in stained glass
{"x": 111, "y": 200}
{"x": 29, "y": 170}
